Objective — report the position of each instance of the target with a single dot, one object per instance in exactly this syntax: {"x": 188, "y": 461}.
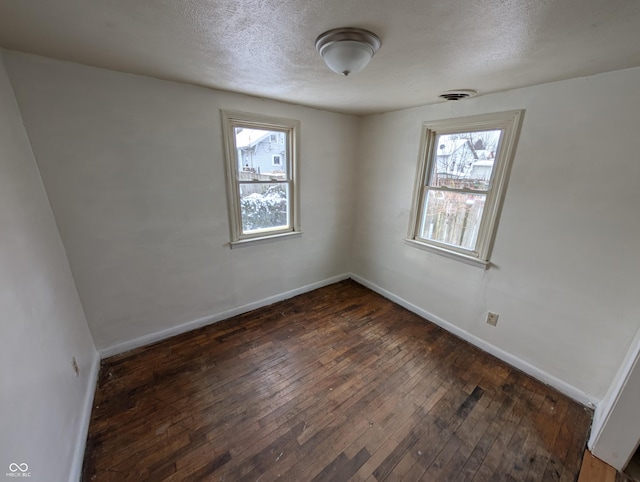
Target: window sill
{"x": 263, "y": 239}
{"x": 470, "y": 260}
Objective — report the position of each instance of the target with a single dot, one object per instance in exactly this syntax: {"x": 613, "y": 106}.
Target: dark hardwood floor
{"x": 337, "y": 384}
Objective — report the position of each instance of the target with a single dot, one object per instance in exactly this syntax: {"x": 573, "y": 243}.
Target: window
{"x": 460, "y": 182}
{"x": 261, "y": 186}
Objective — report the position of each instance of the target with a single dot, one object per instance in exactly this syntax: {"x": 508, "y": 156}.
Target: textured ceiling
{"x": 266, "y": 47}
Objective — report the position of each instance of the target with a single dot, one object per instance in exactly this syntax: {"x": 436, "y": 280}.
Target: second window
{"x": 261, "y": 171}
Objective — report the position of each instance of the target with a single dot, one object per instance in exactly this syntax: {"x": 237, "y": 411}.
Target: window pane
{"x": 452, "y": 218}
{"x": 264, "y": 206}
{"x": 261, "y": 154}
{"x": 465, "y": 160}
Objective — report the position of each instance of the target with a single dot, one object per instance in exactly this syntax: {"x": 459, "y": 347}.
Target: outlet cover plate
{"x": 492, "y": 319}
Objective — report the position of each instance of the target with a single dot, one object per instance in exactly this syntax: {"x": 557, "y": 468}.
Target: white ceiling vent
{"x": 458, "y": 94}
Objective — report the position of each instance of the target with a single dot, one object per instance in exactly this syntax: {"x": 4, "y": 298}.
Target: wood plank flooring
{"x": 595, "y": 470}
{"x": 337, "y": 384}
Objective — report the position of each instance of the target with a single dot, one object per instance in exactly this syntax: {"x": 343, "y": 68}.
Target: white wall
{"x": 565, "y": 280}
{"x": 134, "y": 170}
{"x": 615, "y": 433}
{"x": 44, "y": 407}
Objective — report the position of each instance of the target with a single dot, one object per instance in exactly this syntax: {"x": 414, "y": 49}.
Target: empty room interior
{"x": 361, "y": 240}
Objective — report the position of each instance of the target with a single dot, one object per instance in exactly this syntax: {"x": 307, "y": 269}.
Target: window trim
{"x": 509, "y": 122}
{"x": 273, "y": 160}
{"x": 232, "y": 119}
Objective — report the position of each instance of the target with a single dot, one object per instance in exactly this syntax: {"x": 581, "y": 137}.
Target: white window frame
{"x": 289, "y": 127}
{"x": 509, "y": 122}
{"x": 273, "y": 160}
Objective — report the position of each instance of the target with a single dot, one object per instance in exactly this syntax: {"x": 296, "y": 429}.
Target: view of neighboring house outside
{"x": 261, "y": 152}
{"x": 468, "y": 163}
{"x": 463, "y": 163}
{"x": 261, "y": 157}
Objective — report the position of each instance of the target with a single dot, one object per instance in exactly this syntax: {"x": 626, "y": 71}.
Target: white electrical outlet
{"x": 492, "y": 318}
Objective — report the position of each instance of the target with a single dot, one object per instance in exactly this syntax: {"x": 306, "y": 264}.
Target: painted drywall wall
{"x": 134, "y": 170}
{"x": 615, "y": 433}
{"x": 44, "y": 406}
{"x": 566, "y": 263}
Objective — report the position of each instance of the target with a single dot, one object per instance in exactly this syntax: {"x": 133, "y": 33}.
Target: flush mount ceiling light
{"x": 347, "y": 50}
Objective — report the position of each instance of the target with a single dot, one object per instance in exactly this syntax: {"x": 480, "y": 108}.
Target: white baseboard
{"x": 528, "y": 368}
{"x": 507, "y": 357}
{"x": 207, "y": 320}
{"x": 85, "y": 418}
{"x": 614, "y": 432}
